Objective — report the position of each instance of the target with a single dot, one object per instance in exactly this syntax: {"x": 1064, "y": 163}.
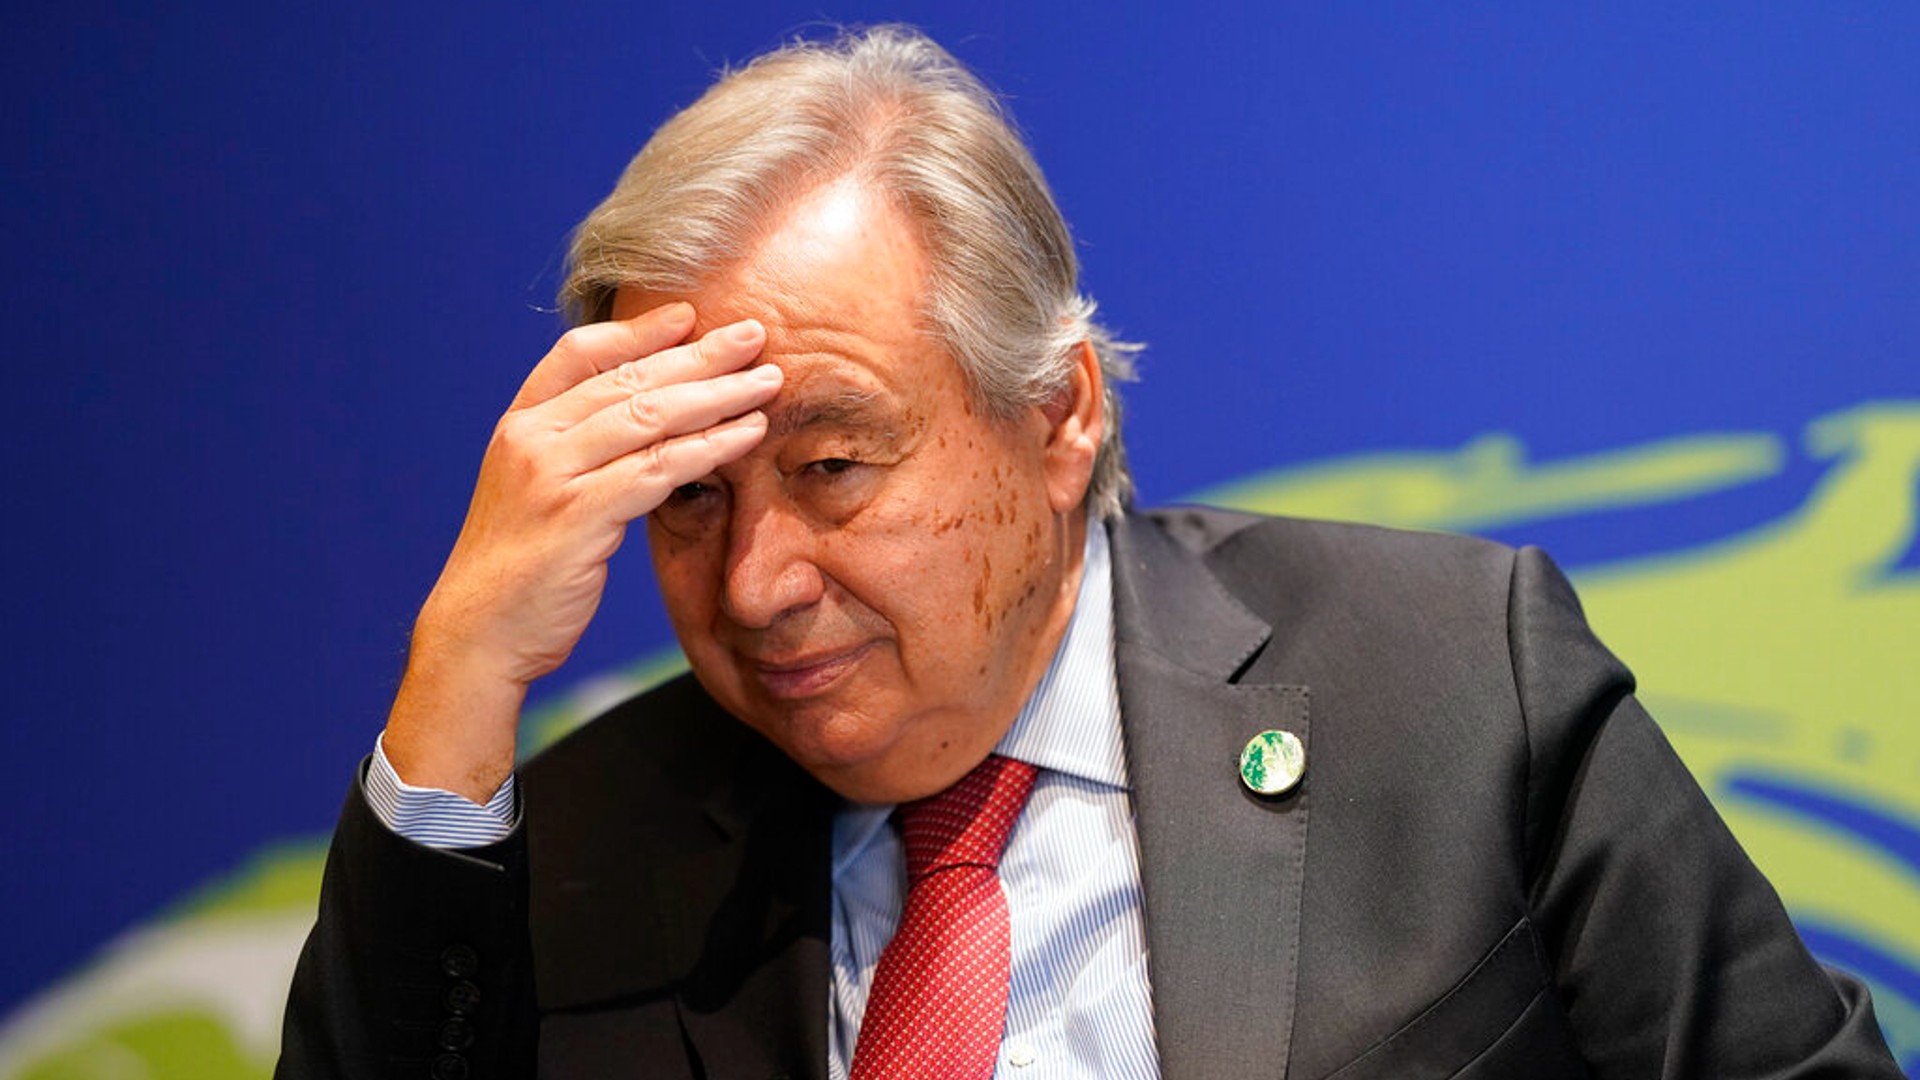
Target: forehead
{"x": 839, "y": 281}
{"x": 827, "y": 405}
{"x": 837, "y": 248}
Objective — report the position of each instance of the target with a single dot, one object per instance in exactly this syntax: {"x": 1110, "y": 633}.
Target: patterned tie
{"x": 939, "y": 997}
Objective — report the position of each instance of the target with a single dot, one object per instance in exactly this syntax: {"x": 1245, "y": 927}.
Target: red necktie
{"x": 939, "y": 998}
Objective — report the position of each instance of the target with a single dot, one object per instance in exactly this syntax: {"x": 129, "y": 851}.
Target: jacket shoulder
{"x": 1202, "y": 529}
{"x": 1269, "y": 561}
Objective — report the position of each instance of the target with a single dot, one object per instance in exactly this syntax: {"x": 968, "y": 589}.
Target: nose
{"x": 770, "y": 570}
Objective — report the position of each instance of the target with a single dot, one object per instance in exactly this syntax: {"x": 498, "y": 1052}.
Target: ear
{"x": 1076, "y": 419}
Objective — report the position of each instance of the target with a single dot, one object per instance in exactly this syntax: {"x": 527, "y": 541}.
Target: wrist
{"x": 454, "y": 720}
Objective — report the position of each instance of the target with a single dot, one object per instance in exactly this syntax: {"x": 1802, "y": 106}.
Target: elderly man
{"x": 978, "y": 771}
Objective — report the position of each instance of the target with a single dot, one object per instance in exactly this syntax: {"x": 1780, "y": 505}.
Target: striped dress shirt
{"x": 1079, "y": 1004}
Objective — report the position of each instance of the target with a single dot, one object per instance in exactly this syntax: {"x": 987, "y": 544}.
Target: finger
{"x": 586, "y": 351}
{"x": 637, "y": 421}
{"x": 641, "y": 481}
{"x": 718, "y": 351}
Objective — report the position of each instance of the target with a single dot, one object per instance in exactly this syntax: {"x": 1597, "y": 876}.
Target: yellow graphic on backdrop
{"x": 1781, "y": 661}
{"x": 1784, "y": 662}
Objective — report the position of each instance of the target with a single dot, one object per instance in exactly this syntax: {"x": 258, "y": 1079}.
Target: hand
{"x": 606, "y": 426}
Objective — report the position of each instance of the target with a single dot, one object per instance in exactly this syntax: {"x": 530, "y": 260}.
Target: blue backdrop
{"x": 272, "y": 272}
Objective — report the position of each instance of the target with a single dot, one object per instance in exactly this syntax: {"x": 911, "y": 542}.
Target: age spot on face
{"x": 981, "y": 585}
{"x": 931, "y": 687}
{"x": 1024, "y": 599}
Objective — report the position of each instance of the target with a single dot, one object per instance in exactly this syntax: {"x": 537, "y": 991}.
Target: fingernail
{"x": 679, "y": 311}
{"x": 744, "y": 333}
{"x": 744, "y": 424}
{"x": 765, "y": 373}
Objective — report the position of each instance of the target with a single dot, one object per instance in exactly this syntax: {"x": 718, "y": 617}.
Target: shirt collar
{"x": 1071, "y": 724}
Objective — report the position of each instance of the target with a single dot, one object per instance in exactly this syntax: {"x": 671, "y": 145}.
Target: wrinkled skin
{"x": 879, "y": 584}
{"x": 858, "y": 562}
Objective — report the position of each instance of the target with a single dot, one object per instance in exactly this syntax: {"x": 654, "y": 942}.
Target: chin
{"x": 830, "y": 743}
{"x": 868, "y": 761}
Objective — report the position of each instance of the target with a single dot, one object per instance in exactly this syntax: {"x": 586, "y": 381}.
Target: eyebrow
{"x": 848, "y": 408}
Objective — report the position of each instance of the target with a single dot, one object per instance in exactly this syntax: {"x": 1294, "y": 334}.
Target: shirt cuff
{"x": 436, "y": 818}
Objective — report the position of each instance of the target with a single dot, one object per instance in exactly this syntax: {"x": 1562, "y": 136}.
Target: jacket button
{"x": 462, "y": 998}
{"x": 456, "y": 1034}
{"x": 460, "y": 961}
{"x": 450, "y": 1067}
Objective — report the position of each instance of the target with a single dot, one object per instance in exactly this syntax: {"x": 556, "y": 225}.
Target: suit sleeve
{"x": 418, "y": 965}
{"x": 1672, "y": 954}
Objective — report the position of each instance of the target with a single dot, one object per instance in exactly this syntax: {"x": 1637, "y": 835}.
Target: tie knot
{"x": 967, "y": 824}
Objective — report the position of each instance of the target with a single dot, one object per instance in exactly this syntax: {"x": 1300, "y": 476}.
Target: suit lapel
{"x": 736, "y": 929}
{"x": 1220, "y": 867}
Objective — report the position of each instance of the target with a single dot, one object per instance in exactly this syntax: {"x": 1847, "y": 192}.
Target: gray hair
{"x": 891, "y": 109}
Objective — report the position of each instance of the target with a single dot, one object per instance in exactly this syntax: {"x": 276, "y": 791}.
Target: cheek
{"x": 1019, "y": 545}
{"x": 924, "y": 563}
{"x": 996, "y": 546}
{"x": 688, "y": 575}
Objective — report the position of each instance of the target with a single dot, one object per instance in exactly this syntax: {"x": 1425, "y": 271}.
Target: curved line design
{"x": 1844, "y": 949}
{"x": 1895, "y": 837}
{"x": 1888, "y": 974}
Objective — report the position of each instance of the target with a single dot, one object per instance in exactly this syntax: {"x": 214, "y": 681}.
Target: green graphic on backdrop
{"x": 1784, "y": 662}
{"x": 1781, "y": 661}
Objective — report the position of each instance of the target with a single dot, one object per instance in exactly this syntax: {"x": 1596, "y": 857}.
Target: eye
{"x": 834, "y": 489}
{"x": 690, "y": 510}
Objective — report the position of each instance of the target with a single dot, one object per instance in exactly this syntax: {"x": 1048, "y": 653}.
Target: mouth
{"x": 787, "y": 679}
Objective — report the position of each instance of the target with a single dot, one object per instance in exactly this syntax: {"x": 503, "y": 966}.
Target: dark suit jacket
{"x": 1495, "y": 866}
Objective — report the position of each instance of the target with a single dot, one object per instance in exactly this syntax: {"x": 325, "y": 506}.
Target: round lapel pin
{"x": 1272, "y": 763}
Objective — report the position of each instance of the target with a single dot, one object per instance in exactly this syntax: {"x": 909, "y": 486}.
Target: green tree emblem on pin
{"x": 1272, "y": 762}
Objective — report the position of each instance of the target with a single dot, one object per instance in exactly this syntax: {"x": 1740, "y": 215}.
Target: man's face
{"x": 881, "y": 582}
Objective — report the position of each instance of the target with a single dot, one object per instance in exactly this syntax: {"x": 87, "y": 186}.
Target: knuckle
{"x": 650, "y": 470}
{"x": 511, "y": 431}
{"x": 573, "y": 341}
{"x": 519, "y": 448}
{"x": 631, "y": 377}
{"x": 644, "y": 413}
{"x": 567, "y": 349}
